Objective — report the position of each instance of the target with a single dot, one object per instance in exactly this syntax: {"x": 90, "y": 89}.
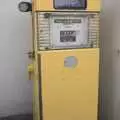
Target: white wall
{"x": 15, "y": 38}
{"x": 116, "y": 62}
{"x": 110, "y": 42}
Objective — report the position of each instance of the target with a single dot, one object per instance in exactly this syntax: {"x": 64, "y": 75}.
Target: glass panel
{"x": 70, "y": 4}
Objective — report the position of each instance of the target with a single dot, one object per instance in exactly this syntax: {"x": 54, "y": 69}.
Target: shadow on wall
{"x": 106, "y": 66}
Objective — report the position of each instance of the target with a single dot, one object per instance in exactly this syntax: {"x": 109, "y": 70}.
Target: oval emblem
{"x": 70, "y": 61}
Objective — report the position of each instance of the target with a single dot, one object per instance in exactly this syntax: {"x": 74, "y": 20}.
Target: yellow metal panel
{"x": 36, "y": 112}
{"x": 36, "y": 105}
{"x": 47, "y": 5}
{"x": 94, "y": 5}
{"x": 70, "y": 93}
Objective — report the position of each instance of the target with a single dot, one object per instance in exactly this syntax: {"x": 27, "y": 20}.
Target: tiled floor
{"x": 18, "y": 117}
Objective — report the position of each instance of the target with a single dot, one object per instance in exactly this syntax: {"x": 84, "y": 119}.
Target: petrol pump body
{"x": 66, "y": 59}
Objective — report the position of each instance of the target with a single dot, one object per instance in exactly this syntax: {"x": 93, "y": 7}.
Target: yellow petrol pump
{"x": 65, "y": 58}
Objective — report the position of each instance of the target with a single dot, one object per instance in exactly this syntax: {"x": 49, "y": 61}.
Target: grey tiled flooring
{"x": 18, "y": 117}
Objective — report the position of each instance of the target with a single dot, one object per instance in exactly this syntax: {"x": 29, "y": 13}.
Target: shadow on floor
{"x": 18, "y": 117}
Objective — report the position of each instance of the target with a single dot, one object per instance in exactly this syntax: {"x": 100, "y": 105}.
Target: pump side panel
{"x": 48, "y": 5}
{"x": 69, "y": 86}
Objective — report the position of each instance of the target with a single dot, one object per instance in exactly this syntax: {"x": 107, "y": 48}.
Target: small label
{"x": 67, "y": 21}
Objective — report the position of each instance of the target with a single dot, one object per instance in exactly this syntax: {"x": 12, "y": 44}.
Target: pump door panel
{"x": 69, "y": 84}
